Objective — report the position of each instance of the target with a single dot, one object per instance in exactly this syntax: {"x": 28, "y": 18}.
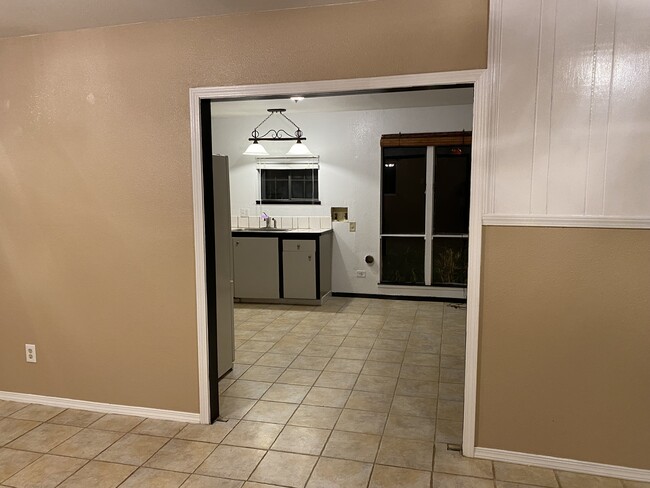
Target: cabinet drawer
{"x": 299, "y": 245}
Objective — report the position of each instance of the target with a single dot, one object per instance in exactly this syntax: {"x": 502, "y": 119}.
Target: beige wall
{"x": 96, "y": 238}
{"x": 564, "y": 360}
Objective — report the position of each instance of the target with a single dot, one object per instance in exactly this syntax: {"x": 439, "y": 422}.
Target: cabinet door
{"x": 299, "y": 274}
{"x": 256, "y": 267}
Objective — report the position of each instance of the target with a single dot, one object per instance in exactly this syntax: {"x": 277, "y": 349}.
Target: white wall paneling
{"x": 572, "y": 109}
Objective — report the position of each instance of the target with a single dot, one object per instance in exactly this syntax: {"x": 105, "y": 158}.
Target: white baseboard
{"x": 586, "y": 467}
{"x": 153, "y": 413}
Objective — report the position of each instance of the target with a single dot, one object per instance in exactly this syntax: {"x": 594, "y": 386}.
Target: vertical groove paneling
{"x": 600, "y": 92}
{"x": 573, "y": 110}
{"x": 627, "y": 174}
{"x": 543, "y": 104}
{"x": 520, "y": 38}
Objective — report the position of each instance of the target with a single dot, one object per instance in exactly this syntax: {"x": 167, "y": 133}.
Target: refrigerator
{"x": 223, "y": 265}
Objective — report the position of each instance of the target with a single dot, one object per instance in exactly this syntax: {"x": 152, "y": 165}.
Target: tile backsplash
{"x": 298, "y": 222}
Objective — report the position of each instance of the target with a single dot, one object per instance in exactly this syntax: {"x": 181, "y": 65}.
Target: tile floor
{"x": 356, "y": 393}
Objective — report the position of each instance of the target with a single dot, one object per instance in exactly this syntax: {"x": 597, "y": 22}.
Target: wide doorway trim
{"x": 332, "y": 87}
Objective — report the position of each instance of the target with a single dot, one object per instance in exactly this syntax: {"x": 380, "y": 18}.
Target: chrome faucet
{"x": 267, "y": 218}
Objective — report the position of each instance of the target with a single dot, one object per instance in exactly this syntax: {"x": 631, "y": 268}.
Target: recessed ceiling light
{"x": 297, "y": 99}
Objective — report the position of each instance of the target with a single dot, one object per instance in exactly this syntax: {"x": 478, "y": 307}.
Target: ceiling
{"x": 364, "y": 101}
{"x": 28, "y": 17}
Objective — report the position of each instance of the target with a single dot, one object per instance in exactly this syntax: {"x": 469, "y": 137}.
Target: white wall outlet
{"x": 361, "y": 273}
{"x": 243, "y": 212}
{"x": 30, "y": 353}
{"x": 353, "y": 226}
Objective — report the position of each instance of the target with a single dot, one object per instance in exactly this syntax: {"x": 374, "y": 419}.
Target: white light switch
{"x": 353, "y": 226}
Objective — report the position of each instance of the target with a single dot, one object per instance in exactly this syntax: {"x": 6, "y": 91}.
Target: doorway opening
{"x": 290, "y": 89}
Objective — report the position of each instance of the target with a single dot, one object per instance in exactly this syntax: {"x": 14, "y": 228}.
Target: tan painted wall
{"x": 96, "y": 239}
{"x": 564, "y": 360}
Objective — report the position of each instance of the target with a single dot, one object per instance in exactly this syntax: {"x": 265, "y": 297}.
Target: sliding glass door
{"x": 425, "y": 215}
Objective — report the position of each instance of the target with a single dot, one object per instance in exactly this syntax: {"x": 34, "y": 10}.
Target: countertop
{"x": 266, "y": 233}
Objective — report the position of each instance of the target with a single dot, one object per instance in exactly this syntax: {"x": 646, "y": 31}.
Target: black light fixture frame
{"x": 276, "y": 134}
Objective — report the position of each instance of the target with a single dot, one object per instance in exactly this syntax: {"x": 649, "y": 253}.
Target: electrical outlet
{"x": 30, "y": 353}
{"x": 353, "y": 226}
{"x": 361, "y": 273}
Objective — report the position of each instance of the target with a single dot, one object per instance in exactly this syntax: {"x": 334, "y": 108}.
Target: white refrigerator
{"x": 223, "y": 265}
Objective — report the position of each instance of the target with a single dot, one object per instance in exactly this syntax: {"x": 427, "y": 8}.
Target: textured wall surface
{"x": 564, "y": 367}
{"x": 96, "y": 239}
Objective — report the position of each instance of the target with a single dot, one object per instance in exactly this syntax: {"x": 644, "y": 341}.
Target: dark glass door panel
{"x": 402, "y": 260}
{"x": 451, "y": 190}
{"x": 449, "y": 261}
{"x": 404, "y": 172}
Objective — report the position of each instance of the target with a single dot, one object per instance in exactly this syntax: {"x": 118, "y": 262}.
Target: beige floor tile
{"x": 259, "y": 435}
{"x": 340, "y": 473}
{"x": 8, "y": 407}
{"x": 353, "y": 446}
{"x": 414, "y": 406}
{"x": 247, "y": 357}
{"x": 327, "y": 397}
{"x": 406, "y": 453}
{"x": 248, "y": 389}
{"x": 361, "y": 421}
{"x": 392, "y": 477}
{"x": 319, "y": 350}
{"x": 301, "y": 440}
{"x": 198, "y": 481}
{"x": 162, "y": 428}
{"x": 635, "y": 484}
{"x": 531, "y": 475}
{"x": 417, "y": 372}
{"x": 336, "y": 380}
{"x": 327, "y": 339}
{"x": 283, "y": 468}
{"x": 233, "y": 407}
{"x": 453, "y": 462}
{"x": 78, "y": 418}
{"x": 418, "y": 388}
{"x": 274, "y": 412}
{"x": 224, "y": 384}
{"x": 407, "y": 427}
{"x": 449, "y": 431}
{"x": 12, "y": 461}
{"x": 508, "y": 484}
{"x": 231, "y": 462}
{"x": 372, "y": 402}
{"x": 452, "y": 362}
{"x": 309, "y": 362}
{"x": 98, "y": 474}
{"x": 40, "y": 413}
{"x": 87, "y": 444}
{"x": 577, "y": 480}
{"x": 384, "y": 356}
{"x": 450, "y": 410}
{"x": 339, "y": 365}
{"x": 375, "y": 384}
{"x": 305, "y": 377}
{"x": 262, "y": 373}
{"x": 344, "y": 352}
{"x": 46, "y": 472}
{"x": 237, "y": 371}
{"x": 286, "y": 393}
{"x": 276, "y": 360}
{"x": 213, "y": 433}
{"x": 421, "y": 359}
{"x": 451, "y": 391}
{"x": 448, "y": 375}
{"x": 44, "y": 437}
{"x": 364, "y": 342}
{"x": 256, "y": 346}
{"x": 154, "y": 478}
{"x": 376, "y": 368}
{"x": 390, "y": 344}
{"x": 11, "y": 429}
{"x": 117, "y": 423}
{"x": 133, "y": 449}
{"x": 180, "y": 455}
{"x": 318, "y": 417}
{"x": 443, "y": 480}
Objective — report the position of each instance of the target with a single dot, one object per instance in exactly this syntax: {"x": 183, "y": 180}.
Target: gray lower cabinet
{"x": 256, "y": 267}
{"x": 299, "y": 269}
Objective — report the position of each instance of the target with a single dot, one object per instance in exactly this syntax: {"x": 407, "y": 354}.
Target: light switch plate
{"x": 353, "y": 226}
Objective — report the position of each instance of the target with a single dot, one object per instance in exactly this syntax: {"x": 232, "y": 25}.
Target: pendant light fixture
{"x": 298, "y": 148}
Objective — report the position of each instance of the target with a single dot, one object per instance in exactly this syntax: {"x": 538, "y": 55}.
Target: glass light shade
{"x": 256, "y": 149}
{"x": 299, "y": 149}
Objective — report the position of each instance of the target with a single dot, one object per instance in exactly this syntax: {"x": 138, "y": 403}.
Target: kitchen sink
{"x": 261, "y": 229}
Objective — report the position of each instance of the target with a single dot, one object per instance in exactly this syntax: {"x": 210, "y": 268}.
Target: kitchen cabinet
{"x": 256, "y": 267}
{"x": 282, "y": 267}
{"x": 299, "y": 268}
